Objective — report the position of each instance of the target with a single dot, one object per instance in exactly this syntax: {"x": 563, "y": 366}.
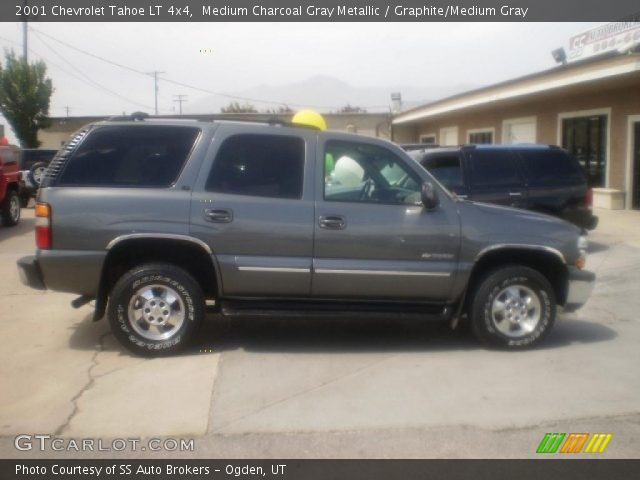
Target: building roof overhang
{"x": 579, "y": 73}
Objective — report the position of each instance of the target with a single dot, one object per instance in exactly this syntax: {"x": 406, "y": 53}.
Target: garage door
{"x": 521, "y": 130}
{"x": 449, "y": 136}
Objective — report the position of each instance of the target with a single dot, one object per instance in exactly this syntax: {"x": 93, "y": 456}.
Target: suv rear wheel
{"x": 513, "y": 307}
{"x": 155, "y": 308}
{"x": 10, "y": 209}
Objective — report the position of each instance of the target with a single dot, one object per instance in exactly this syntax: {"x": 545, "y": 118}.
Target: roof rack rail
{"x": 135, "y": 116}
{"x": 270, "y": 121}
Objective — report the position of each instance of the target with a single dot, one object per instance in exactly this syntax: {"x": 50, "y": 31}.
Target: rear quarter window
{"x": 130, "y": 156}
{"x": 552, "y": 167}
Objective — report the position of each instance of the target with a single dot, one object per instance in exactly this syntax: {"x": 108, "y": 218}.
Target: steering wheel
{"x": 367, "y": 188}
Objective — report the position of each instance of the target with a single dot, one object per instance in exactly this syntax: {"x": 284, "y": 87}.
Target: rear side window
{"x": 493, "y": 169}
{"x": 446, "y": 169}
{"x": 126, "y": 156}
{"x": 552, "y": 167}
{"x": 259, "y": 165}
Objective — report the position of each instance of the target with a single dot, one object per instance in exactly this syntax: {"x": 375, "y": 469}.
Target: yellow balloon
{"x": 311, "y": 118}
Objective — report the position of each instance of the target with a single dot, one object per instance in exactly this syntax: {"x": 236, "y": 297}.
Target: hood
{"x": 485, "y": 224}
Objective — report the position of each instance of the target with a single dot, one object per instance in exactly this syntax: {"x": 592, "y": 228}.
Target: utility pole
{"x": 180, "y": 99}
{"x": 155, "y": 86}
{"x": 25, "y": 36}
{"x": 67, "y": 109}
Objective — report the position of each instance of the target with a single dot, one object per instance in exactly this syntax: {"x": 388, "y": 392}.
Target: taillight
{"x": 43, "y": 226}
{"x": 588, "y": 198}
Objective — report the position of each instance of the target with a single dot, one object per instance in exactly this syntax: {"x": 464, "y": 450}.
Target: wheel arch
{"x": 546, "y": 260}
{"x": 128, "y": 251}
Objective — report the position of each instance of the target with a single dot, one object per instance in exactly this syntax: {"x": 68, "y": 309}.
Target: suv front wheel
{"x": 513, "y": 307}
{"x": 10, "y": 209}
{"x": 155, "y": 308}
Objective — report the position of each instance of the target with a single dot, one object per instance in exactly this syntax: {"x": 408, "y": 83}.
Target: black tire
{"x": 10, "y": 210}
{"x": 487, "y": 317}
{"x": 162, "y": 280}
{"x": 36, "y": 171}
{"x": 24, "y": 200}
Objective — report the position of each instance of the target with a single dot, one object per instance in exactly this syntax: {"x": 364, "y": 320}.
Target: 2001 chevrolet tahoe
{"x": 155, "y": 219}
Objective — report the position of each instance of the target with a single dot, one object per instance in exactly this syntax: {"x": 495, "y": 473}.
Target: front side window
{"x": 130, "y": 156}
{"x": 360, "y": 172}
{"x": 493, "y": 169}
{"x": 446, "y": 169}
{"x": 259, "y": 165}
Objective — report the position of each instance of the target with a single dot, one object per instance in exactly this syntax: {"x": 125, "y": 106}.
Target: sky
{"x": 232, "y": 57}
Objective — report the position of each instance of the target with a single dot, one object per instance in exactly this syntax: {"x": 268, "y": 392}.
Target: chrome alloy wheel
{"x": 156, "y": 312}
{"x": 516, "y": 311}
{"x": 14, "y": 208}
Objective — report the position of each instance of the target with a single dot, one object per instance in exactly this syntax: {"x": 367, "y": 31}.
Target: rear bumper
{"x": 581, "y": 283}
{"x": 30, "y": 273}
{"x": 582, "y": 217}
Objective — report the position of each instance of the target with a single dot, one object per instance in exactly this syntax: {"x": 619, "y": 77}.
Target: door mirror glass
{"x": 429, "y": 196}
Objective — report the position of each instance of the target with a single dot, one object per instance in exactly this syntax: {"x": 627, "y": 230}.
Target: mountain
{"x": 326, "y": 94}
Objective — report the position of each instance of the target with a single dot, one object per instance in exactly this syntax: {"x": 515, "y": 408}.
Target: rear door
{"x": 253, "y": 204}
{"x": 495, "y": 177}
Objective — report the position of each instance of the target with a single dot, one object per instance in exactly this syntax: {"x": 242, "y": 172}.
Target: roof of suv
{"x": 491, "y": 146}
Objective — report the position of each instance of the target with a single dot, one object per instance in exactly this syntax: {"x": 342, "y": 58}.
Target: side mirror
{"x": 429, "y": 196}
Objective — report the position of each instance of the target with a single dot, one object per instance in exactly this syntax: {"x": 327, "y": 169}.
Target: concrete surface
{"x": 340, "y": 387}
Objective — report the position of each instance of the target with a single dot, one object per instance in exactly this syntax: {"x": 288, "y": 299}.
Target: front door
{"x": 635, "y": 173}
{"x": 373, "y": 238}
{"x": 254, "y": 207}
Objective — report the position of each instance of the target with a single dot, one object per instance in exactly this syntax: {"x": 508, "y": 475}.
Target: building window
{"x": 586, "y": 139}
{"x": 429, "y": 139}
{"x": 481, "y": 137}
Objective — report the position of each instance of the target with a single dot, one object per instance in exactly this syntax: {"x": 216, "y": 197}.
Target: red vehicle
{"x": 9, "y": 185}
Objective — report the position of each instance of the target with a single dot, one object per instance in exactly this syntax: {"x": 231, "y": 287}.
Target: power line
{"x": 193, "y": 87}
{"x": 89, "y": 79}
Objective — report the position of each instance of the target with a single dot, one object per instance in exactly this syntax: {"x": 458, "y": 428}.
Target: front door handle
{"x": 332, "y": 222}
{"x": 218, "y": 215}
{"x": 515, "y": 194}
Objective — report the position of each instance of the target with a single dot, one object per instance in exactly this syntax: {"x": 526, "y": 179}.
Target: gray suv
{"x": 159, "y": 221}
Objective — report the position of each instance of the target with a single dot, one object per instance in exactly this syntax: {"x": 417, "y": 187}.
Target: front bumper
{"x": 581, "y": 283}
{"x": 30, "y": 273}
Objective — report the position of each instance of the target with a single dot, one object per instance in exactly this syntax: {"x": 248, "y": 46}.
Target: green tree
{"x": 25, "y": 94}
{"x": 235, "y": 107}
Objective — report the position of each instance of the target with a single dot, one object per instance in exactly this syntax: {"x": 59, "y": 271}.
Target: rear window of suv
{"x": 130, "y": 156}
{"x": 552, "y": 167}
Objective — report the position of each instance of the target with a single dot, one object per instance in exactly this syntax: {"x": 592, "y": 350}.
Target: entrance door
{"x": 635, "y": 166}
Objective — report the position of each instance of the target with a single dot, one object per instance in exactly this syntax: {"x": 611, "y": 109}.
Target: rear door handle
{"x": 515, "y": 194}
{"x": 332, "y": 222}
{"x": 218, "y": 215}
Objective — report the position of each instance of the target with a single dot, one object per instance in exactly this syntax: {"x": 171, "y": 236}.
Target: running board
{"x": 256, "y": 308}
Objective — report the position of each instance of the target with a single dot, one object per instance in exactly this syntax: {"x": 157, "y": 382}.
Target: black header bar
{"x": 317, "y": 11}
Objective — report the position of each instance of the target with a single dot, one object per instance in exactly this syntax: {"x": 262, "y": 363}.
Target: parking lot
{"x": 340, "y": 387}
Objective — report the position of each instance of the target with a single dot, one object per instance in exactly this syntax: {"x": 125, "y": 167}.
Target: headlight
{"x": 583, "y": 244}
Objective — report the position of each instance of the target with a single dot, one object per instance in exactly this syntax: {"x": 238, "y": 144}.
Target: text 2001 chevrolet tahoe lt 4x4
{"x": 154, "y": 219}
